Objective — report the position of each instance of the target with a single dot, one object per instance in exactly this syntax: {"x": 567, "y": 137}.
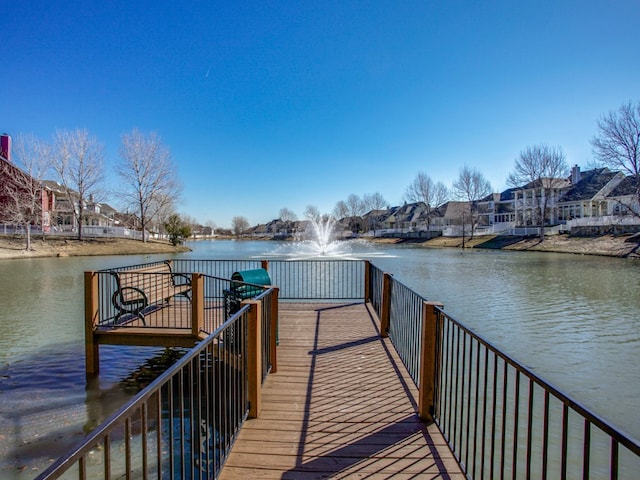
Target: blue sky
{"x": 266, "y": 105}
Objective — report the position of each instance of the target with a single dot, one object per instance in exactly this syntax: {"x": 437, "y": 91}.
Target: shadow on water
{"x": 48, "y": 404}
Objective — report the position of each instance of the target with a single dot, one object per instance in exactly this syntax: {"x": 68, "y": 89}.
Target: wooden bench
{"x": 141, "y": 288}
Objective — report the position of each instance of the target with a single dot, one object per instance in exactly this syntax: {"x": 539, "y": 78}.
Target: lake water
{"x": 572, "y": 319}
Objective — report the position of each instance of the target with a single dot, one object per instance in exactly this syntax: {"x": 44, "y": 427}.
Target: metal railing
{"x": 215, "y": 268}
{"x": 110, "y": 315}
{"x": 320, "y": 280}
{"x": 504, "y": 420}
{"x": 405, "y": 326}
{"x": 181, "y": 426}
{"x": 375, "y": 286}
{"x": 499, "y": 418}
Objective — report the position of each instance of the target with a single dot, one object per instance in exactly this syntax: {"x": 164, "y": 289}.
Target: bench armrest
{"x": 183, "y": 277}
{"x": 131, "y": 304}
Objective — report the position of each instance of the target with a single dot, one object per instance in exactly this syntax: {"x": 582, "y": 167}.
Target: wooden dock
{"x": 341, "y": 405}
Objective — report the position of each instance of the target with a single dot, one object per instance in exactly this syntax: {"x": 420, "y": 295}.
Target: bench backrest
{"x": 148, "y": 278}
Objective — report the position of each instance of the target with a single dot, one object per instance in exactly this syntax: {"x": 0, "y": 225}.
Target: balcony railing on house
{"x": 498, "y": 417}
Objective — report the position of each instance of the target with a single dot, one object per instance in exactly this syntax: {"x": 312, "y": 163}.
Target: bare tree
{"x": 166, "y": 210}
{"x": 374, "y": 204}
{"x": 212, "y": 225}
{"x": 471, "y": 186}
{"x": 77, "y": 158}
{"x": 287, "y": 215}
{"x": 617, "y": 144}
{"x": 239, "y": 225}
{"x": 340, "y": 210}
{"x": 541, "y": 169}
{"x": 23, "y": 191}
{"x": 355, "y": 206}
{"x": 312, "y": 212}
{"x": 424, "y": 189}
{"x": 149, "y": 179}
{"x": 374, "y": 201}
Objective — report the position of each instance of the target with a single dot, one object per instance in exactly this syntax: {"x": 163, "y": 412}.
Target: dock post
{"x": 254, "y": 357}
{"x": 385, "y": 308}
{"x": 264, "y": 264}
{"x": 91, "y": 316}
{"x": 427, "y": 380}
{"x": 367, "y": 281}
{"x": 197, "y": 304}
{"x": 274, "y": 330}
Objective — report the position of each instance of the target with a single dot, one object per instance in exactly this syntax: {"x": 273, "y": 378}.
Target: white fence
{"x": 88, "y": 231}
{"x": 606, "y": 221}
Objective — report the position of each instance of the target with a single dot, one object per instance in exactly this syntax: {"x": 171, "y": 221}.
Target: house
{"x": 66, "y": 203}
{"x": 529, "y": 199}
{"x": 623, "y": 199}
{"x": 456, "y": 218}
{"x": 405, "y": 218}
{"x": 23, "y": 199}
{"x": 587, "y": 194}
{"x": 498, "y": 210}
{"x": 373, "y": 219}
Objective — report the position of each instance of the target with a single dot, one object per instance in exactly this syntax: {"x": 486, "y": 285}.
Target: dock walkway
{"x": 341, "y": 405}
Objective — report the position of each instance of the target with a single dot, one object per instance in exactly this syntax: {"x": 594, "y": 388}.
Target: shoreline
{"x": 14, "y": 247}
{"x": 619, "y": 246}
{"x": 622, "y": 246}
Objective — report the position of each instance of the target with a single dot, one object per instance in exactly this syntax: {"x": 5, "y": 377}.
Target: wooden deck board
{"x": 341, "y": 406}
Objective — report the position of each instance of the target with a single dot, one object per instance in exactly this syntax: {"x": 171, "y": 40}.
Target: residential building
{"x": 623, "y": 199}
{"x": 22, "y": 198}
{"x": 95, "y": 214}
{"x": 498, "y": 210}
{"x": 530, "y": 199}
{"x": 587, "y": 195}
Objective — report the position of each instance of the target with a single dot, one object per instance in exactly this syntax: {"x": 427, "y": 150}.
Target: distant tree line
{"x": 148, "y": 185}
{"x": 616, "y": 145}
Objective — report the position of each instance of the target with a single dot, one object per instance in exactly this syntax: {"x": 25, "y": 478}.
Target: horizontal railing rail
{"x": 321, "y": 280}
{"x": 182, "y": 425}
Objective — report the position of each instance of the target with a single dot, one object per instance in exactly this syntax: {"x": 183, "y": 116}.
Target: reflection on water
{"x": 573, "y": 319}
{"x": 46, "y": 405}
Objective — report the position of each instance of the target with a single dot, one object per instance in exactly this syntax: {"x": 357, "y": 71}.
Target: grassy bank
{"x": 606, "y": 245}
{"x": 14, "y": 247}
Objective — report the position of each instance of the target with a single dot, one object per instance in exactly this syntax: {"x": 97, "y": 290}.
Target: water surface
{"x": 572, "y": 319}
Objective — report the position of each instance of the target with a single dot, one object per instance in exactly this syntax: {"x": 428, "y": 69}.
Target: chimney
{"x": 5, "y": 146}
{"x": 575, "y": 174}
